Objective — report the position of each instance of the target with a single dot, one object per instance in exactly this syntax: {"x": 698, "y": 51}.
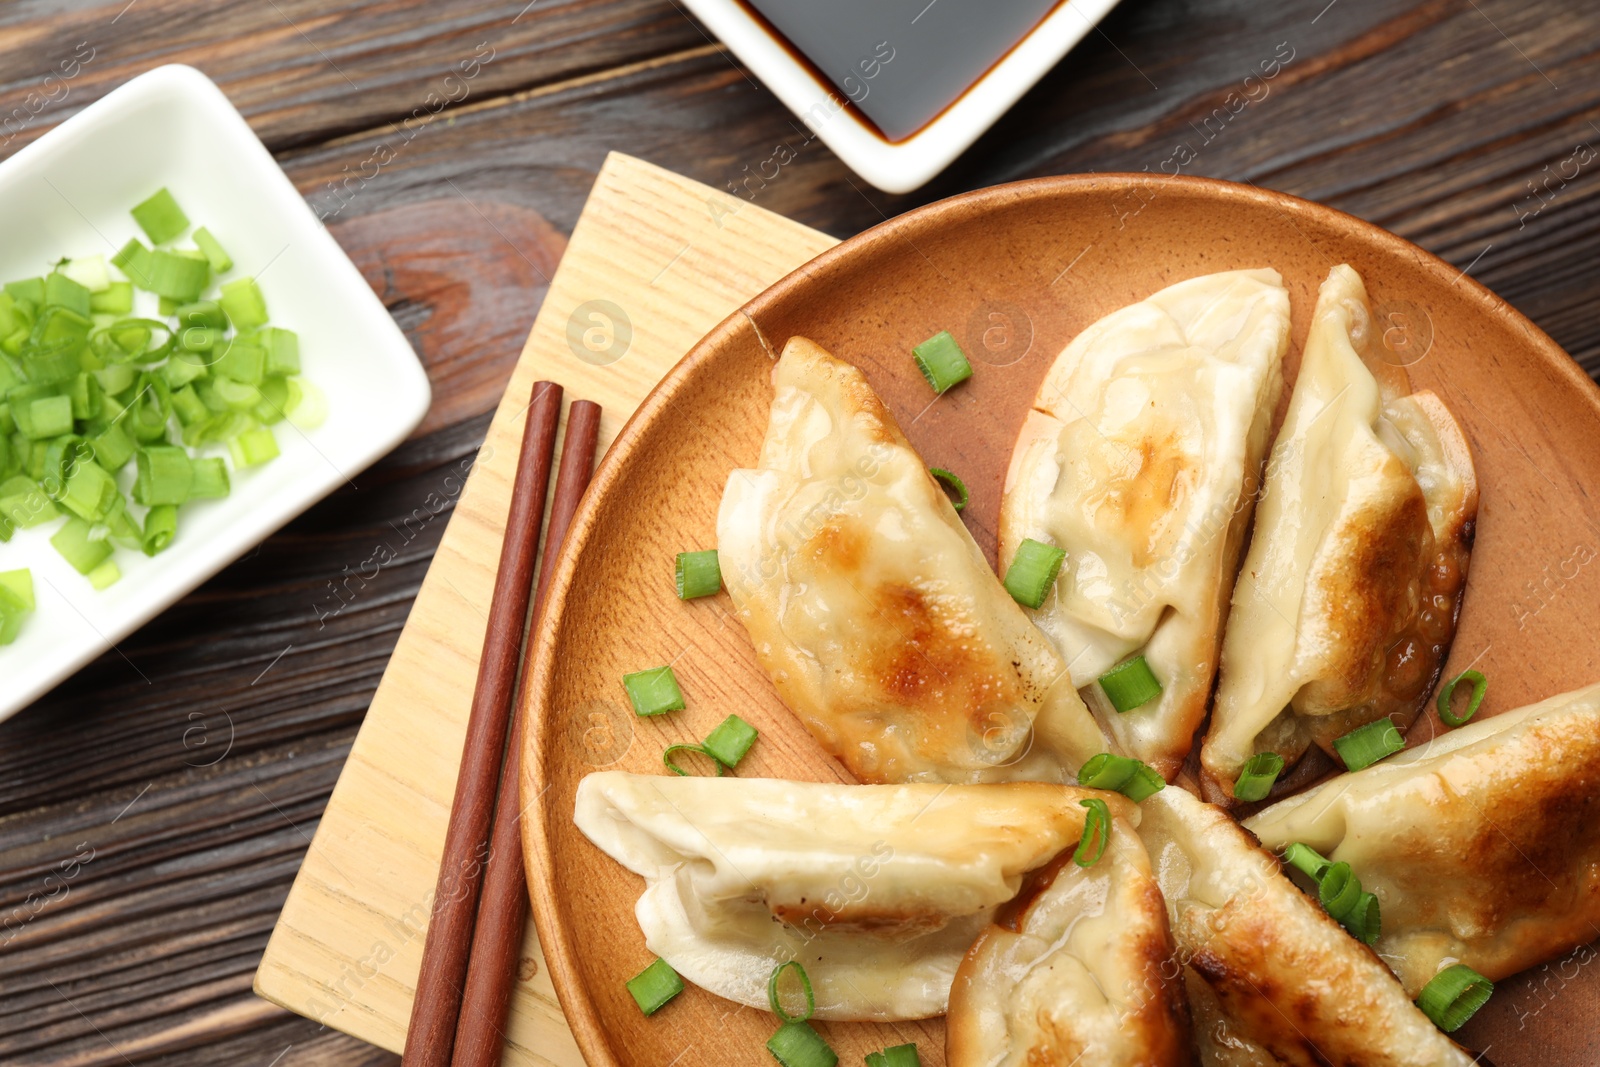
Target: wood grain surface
{"x": 346, "y": 950}
{"x": 1461, "y": 126}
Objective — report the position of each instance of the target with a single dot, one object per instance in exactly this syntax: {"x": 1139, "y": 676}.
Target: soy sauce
{"x": 901, "y": 62}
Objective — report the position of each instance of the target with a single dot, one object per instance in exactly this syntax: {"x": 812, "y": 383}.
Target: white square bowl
{"x": 900, "y": 166}
{"x": 68, "y": 194}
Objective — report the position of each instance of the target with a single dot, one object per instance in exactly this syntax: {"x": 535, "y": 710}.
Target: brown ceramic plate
{"x": 1014, "y": 272}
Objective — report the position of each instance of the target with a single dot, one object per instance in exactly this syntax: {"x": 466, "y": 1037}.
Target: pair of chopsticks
{"x": 480, "y": 904}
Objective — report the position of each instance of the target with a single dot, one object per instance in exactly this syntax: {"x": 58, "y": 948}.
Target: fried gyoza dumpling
{"x": 1482, "y": 845}
{"x": 878, "y": 889}
{"x": 1274, "y": 980}
{"x": 1071, "y": 974}
{"x": 1347, "y": 602}
{"x": 1141, "y": 460}
{"x": 873, "y": 609}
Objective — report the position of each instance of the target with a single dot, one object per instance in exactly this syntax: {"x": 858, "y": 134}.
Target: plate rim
{"x": 556, "y": 936}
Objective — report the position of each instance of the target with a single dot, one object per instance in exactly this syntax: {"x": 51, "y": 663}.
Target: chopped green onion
{"x": 960, "y": 502}
{"x": 107, "y": 574}
{"x": 941, "y": 361}
{"x": 1453, "y": 996}
{"x": 160, "y": 217}
{"x": 729, "y": 742}
{"x": 115, "y": 299}
{"x": 165, "y": 475}
{"x": 1366, "y": 745}
{"x": 113, "y": 447}
{"x": 242, "y": 361}
{"x": 1339, "y": 889}
{"x": 62, "y": 291}
{"x": 241, "y": 299}
{"x": 250, "y": 447}
{"x": 1306, "y": 860}
{"x": 160, "y": 526}
{"x": 666, "y": 759}
{"x": 16, "y": 603}
{"x": 175, "y": 276}
{"x": 78, "y": 547}
{"x": 216, "y": 255}
{"x": 24, "y": 504}
{"x": 1130, "y": 684}
{"x": 1033, "y": 571}
{"x": 1365, "y": 921}
{"x": 134, "y": 260}
{"x": 1096, "y": 832}
{"x": 89, "y": 272}
{"x": 1132, "y": 778}
{"x": 210, "y": 478}
{"x": 1480, "y": 686}
{"x": 29, "y": 289}
{"x": 897, "y": 1056}
{"x": 775, "y": 998}
{"x": 307, "y": 407}
{"x": 91, "y": 493}
{"x": 654, "y": 986}
{"x": 653, "y": 692}
{"x": 283, "y": 349}
{"x": 1259, "y": 774}
{"x": 44, "y": 417}
{"x": 797, "y": 1045}
{"x": 698, "y": 574}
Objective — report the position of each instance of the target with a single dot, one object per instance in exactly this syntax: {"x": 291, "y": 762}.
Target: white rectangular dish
{"x": 69, "y": 194}
{"x": 900, "y": 165}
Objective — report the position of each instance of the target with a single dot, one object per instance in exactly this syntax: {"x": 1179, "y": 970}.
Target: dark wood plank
{"x": 1421, "y": 116}
{"x": 304, "y": 71}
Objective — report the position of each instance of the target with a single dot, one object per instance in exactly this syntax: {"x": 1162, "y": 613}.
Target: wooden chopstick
{"x": 497, "y": 939}
{"x": 444, "y": 954}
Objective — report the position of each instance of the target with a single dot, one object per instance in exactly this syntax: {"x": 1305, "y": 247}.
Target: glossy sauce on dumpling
{"x": 871, "y": 607}
{"x": 1483, "y": 846}
{"x": 880, "y": 889}
{"x": 1346, "y": 605}
{"x": 1140, "y": 460}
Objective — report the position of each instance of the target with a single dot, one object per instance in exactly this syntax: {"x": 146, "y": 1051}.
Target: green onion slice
{"x": 654, "y": 986}
{"x": 1130, "y": 684}
{"x": 666, "y": 758}
{"x": 941, "y": 361}
{"x": 1096, "y": 832}
{"x": 698, "y": 574}
{"x": 1365, "y": 921}
{"x": 897, "y": 1056}
{"x": 1033, "y": 571}
{"x": 1480, "y": 686}
{"x": 797, "y": 1045}
{"x": 1121, "y": 774}
{"x": 1306, "y": 860}
{"x": 78, "y": 546}
{"x": 1366, "y": 745}
{"x": 1453, "y": 996}
{"x": 960, "y": 487}
{"x": 653, "y": 692}
{"x": 1339, "y": 890}
{"x": 775, "y": 995}
{"x": 1259, "y": 774}
{"x": 160, "y": 217}
{"x": 160, "y": 526}
{"x": 730, "y": 741}
{"x": 216, "y": 255}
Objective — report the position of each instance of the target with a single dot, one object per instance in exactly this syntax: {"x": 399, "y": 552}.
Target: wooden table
{"x": 154, "y": 809}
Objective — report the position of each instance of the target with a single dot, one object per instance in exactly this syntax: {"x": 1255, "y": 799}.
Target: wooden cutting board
{"x": 655, "y": 261}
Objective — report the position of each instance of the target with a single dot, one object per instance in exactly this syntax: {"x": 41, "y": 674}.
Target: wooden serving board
{"x": 655, "y": 262}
